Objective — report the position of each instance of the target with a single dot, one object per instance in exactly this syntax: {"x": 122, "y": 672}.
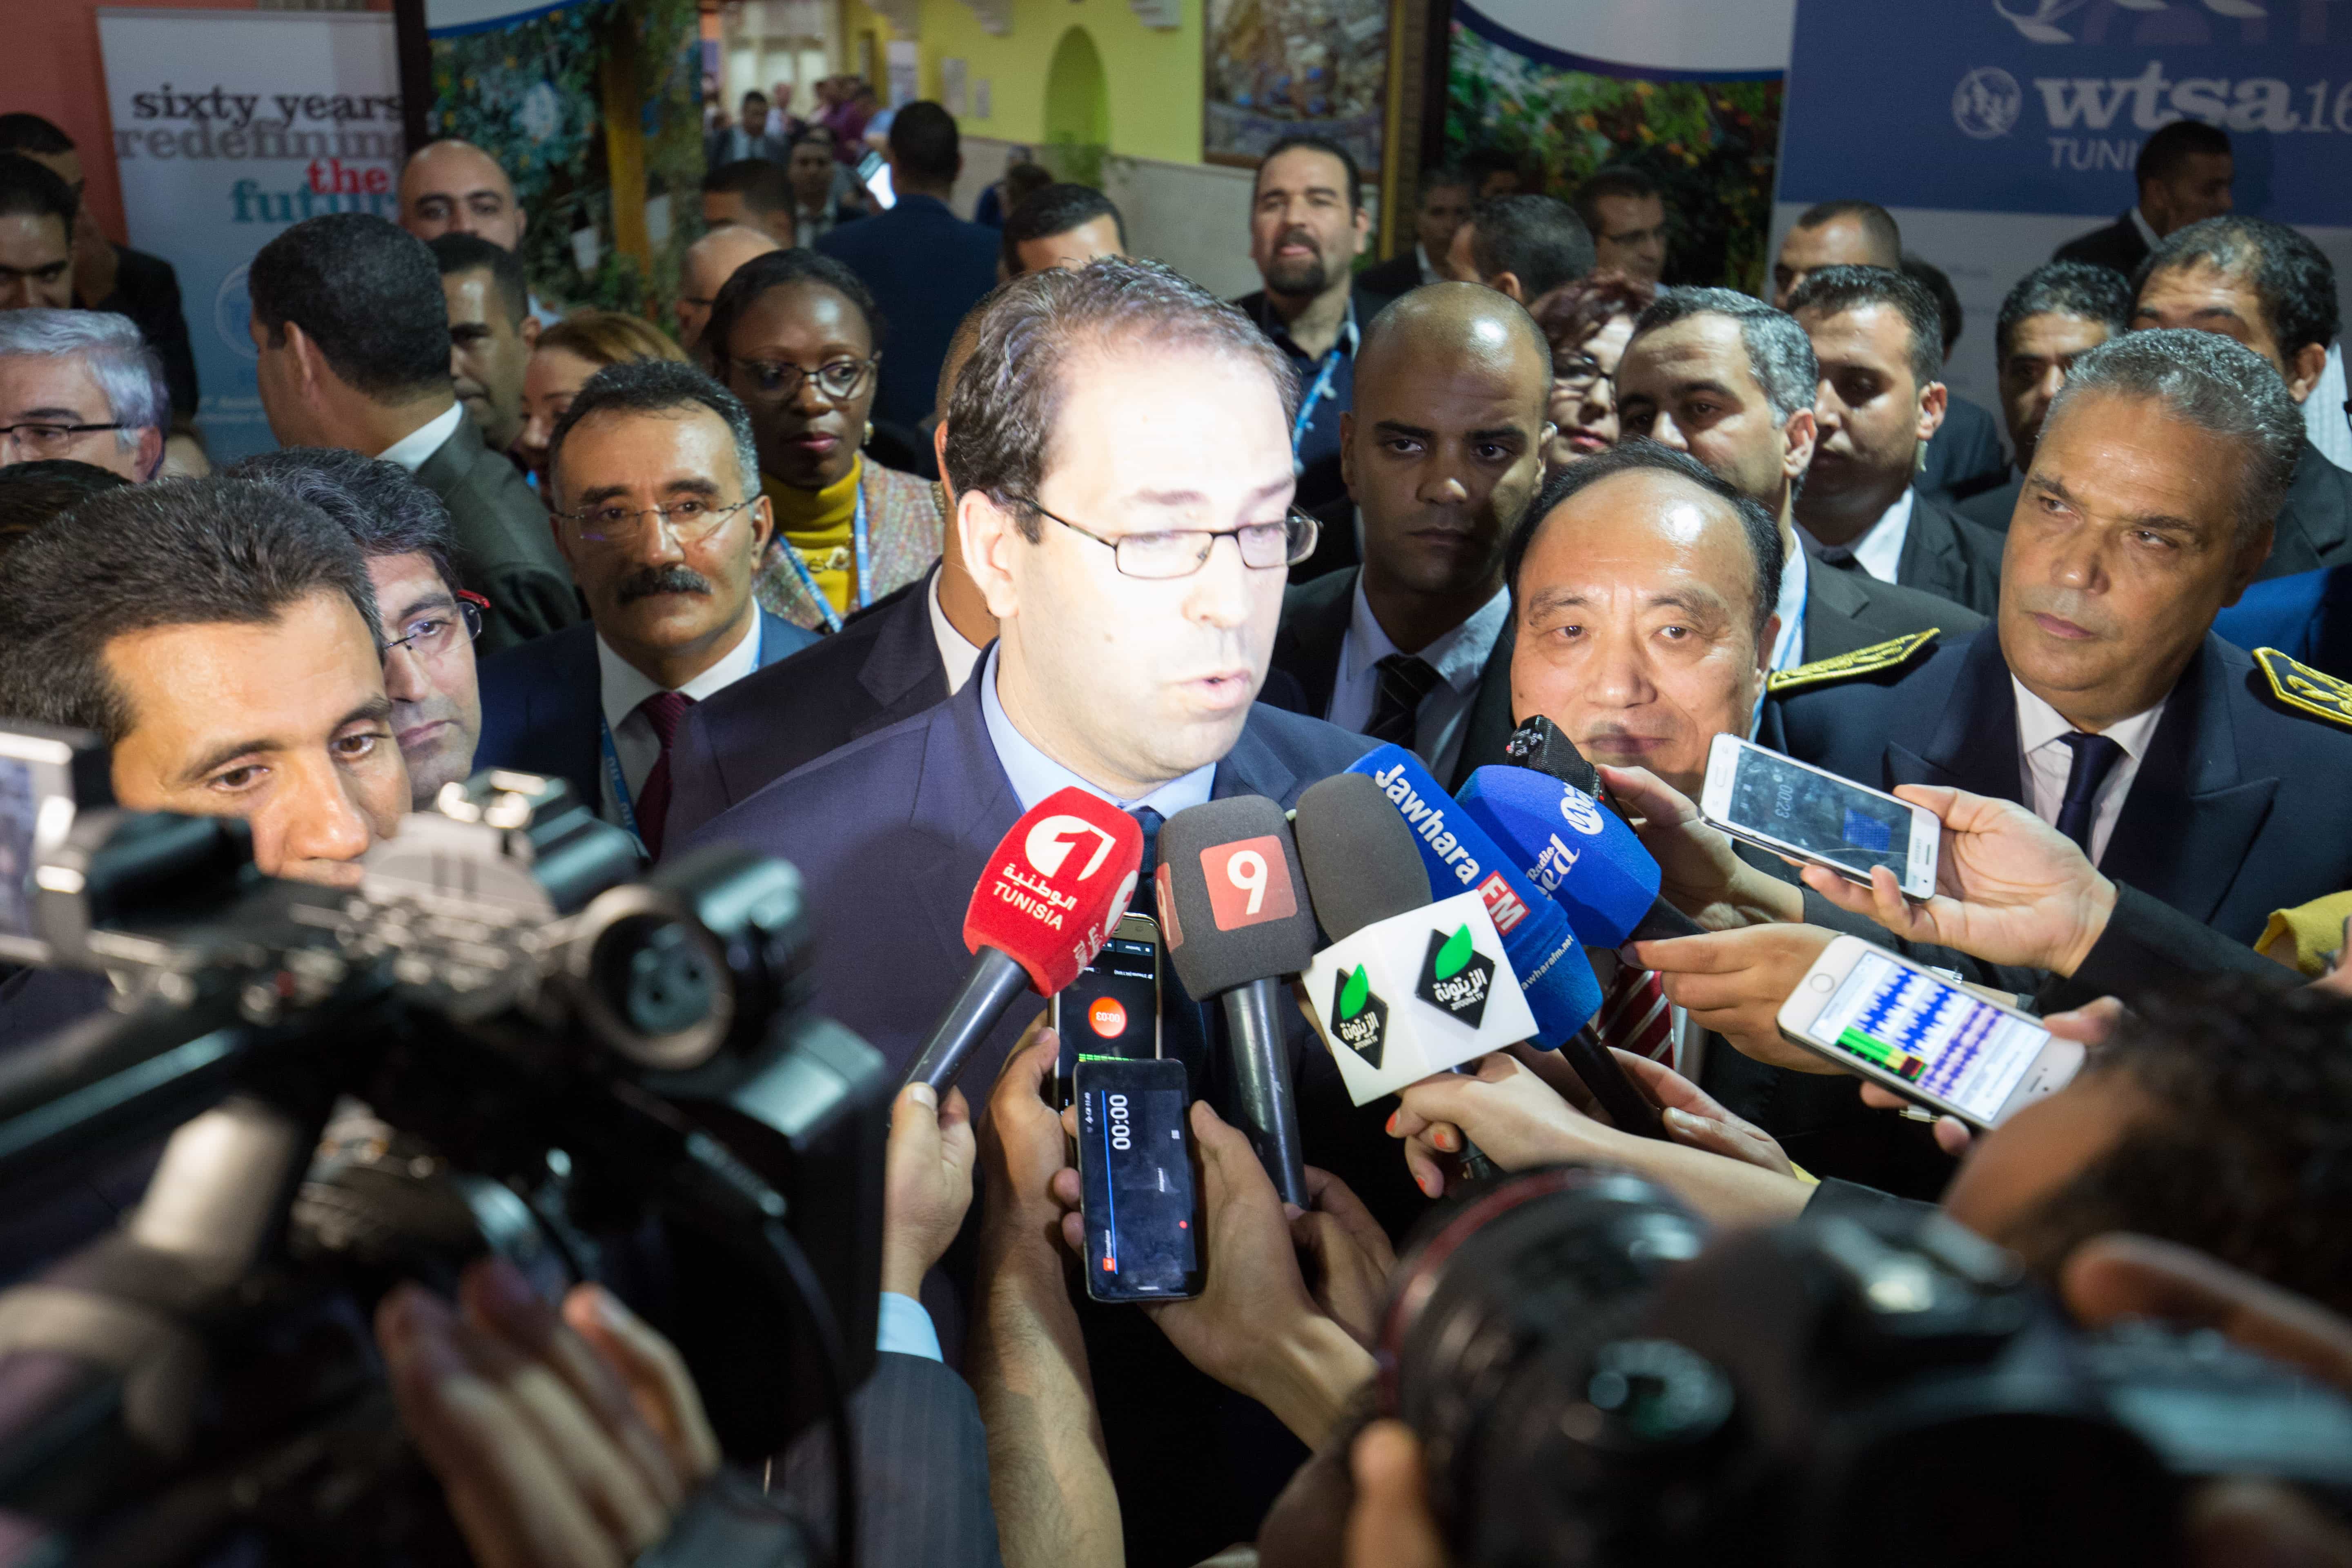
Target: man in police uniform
{"x": 2208, "y": 779}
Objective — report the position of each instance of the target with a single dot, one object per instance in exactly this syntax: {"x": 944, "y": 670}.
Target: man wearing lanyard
{"x": 658, "y": 514}
{"x": 1307, "y": 225}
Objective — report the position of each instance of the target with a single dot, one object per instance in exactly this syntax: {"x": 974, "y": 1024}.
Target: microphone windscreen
{"x": 1569, "y": 845}
{"x": 1361, "y": 863}
{"x": 1233, "y": 905}
{"x": 1539, "y": 745}
{"x": 1056, "y": 886}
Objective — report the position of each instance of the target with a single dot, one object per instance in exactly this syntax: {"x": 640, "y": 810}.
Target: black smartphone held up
{"x": 1112, "y": 1008}
{"x": 1135, "y": 1175}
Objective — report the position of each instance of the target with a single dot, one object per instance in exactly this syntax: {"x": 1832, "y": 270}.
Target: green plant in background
{"x": 530, "y": 96}
{"x": 1711, "y": 146}
{"x": 1074, "y": 162}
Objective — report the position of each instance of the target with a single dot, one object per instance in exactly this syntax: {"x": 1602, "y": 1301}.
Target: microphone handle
{"x": 994, "y": 981}
{"x": 1619, "y": 1096}
{"x": 1663, "y": 921}
{"x": 1269, "y": 1108}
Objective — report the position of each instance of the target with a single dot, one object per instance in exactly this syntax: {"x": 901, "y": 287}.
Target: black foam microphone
{"x": 1236, "y": 926}
{"x": 1363, "y": 868}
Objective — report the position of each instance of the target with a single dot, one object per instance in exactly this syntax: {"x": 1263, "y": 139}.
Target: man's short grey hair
{"x": 127, "y": 370}
{"x": 2217, "y": 385}
{"x": 384, "y": 507}
{"x": 1009, "y": 394}
{"x": 1779, "y": 354}
{"x": 661, "y": 386}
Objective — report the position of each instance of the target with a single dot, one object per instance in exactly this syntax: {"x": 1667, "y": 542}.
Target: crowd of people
{"x": 907, "y": 521}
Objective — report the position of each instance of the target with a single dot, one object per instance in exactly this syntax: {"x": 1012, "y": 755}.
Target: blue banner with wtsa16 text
{"x": 2041, "y": 106}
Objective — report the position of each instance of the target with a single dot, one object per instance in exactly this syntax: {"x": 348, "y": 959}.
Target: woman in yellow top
{"x": 794, "y": 334}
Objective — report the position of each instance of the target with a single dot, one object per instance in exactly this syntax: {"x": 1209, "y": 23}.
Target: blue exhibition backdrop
{"x": 2040, "y": 106}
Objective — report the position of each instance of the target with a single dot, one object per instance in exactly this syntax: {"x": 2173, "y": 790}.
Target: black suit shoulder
{"x": 1399, "y": 274}
{"x": 1315, "y": 616}
{"x": 1843, "y": 724}
{"x": 503, "y": 546}
{"x": 540, "y": 703}
{"x": 1993, "y": 508}
{"x": 2118, "y": 247}
{"x": 1848, "y": 611}
{"x": 1312, "y": 748}
{"x": 2314, "y": 526}
{"x": 1952, "y": 558}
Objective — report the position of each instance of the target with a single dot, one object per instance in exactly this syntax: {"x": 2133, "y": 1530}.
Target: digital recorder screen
{"x": 1966, "y": 1053}
{"x": 1111, "y": 1009}
{"x": 1821, "y": 815}
{"x": 1138, "y": 1190}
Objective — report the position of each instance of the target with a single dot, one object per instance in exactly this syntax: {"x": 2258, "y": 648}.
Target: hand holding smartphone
{"x": 1809, "y": 815}
{"x": 1902, "y": 1025}
{"x": 1135, "y": 1177}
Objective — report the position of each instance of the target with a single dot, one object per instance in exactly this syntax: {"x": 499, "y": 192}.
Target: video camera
{"x": 1596, "y": 1383}
{"x": 500, "y": 1039}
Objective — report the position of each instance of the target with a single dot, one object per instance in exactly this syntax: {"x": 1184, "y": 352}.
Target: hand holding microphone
{"x": 1052, "y": 894}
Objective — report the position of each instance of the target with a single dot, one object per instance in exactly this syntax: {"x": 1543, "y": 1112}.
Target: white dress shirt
{"x": 2146, "y": 230}
{"x": 411, "y": 450}
{"x": 623, "y": 686}
{"x": 1459, "y": 658}
{"x": 957, "y": 651}
{"x": 1034, "y": 775}
{"x": 1879, "y": 551}
{"x": 1795, "y": 581}
{"x": 2041, "y": 730}
{"x": 2324, "y": 420}
{"x": 1429, "y": 272}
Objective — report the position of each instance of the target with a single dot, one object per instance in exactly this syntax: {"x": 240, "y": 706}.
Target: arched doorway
{"x": 1078, "y": 111}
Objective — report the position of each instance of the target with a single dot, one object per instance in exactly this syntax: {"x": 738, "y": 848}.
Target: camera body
{"x": 501, "y": 1039}
{"x": 1595, "y": 1382}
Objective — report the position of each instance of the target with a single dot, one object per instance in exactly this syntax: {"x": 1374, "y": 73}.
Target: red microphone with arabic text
{"x": 1053, "y": 893}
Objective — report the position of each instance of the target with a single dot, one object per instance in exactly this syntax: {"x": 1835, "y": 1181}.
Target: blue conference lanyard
{"x": 1322, "y": 387}
{"x": 863, "y": 548}
{"x": 613, "y": 776}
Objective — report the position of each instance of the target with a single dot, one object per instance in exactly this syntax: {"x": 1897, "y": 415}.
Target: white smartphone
{"x": 1896, "y": 1023}
{"x": 1818, "y": 817}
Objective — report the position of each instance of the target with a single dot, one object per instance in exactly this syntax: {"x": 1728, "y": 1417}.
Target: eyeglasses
{"x": 430, "y": 637}
{"x": 47, "y": 441}
{"x": 781, "y": 379}
{"x": 1576, "y": 372}
{"x": 689, "y": 520}
{"x": 1179, "y": 553}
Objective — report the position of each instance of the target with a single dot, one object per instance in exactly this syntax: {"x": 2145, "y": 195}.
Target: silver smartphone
{"x": 1809, "y": 815}
{"x": 1899, "y": 1024}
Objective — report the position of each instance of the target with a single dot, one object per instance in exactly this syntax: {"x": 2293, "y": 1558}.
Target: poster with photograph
{"x": 1288, "y": 68}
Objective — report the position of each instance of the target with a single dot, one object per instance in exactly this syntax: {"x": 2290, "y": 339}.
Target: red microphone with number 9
{"x": 1051, "y": 894}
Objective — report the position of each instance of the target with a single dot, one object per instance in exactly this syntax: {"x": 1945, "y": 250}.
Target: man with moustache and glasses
{"x": 1307, "y": 225}
{"x": 659, "y": 512}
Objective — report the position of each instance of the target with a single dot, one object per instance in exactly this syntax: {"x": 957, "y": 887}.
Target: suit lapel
{"x": 1974, "y": 743}
{"x": 2312, "y": 523}
{"x": 1314, "y": 630}
{"x": 2190, "y": 810}
{"x": 1931, "y": 553}
{"x": 1252, "y": 767}
{"x": 1834, "y": 601}
{"x": 1490, "y": 722}
{"x": 902, "y": 671}
{"x": 963, "y": 805}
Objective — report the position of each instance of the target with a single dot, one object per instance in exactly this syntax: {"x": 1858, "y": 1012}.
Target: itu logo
{"x": 1986, "y": 102}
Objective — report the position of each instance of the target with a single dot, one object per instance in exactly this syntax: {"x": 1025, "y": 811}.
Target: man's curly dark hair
{"x": 2242, "y": 1148}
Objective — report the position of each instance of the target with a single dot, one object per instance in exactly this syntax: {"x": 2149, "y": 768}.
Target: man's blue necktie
{"x": 2095, "y": 758}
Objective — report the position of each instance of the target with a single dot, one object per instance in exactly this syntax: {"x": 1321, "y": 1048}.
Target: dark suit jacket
{"x": 2119, "y": 245}
{"x": 2307, "y": 617}
{"x": 1320, "y": 486}
{"x": 502, "y": 545}
{"x": 1964, "y": 455}
{"x": 1945, "y": 555}
{"x": 2314, "y": 527}
{"x": 923, "y": 1472}
{"x": 147, "y": 290}
{"x": 1992, "y": 508}
{"x": 2238, "y": 809}
{"x": 1399, "y": 274}
{"x": 542, "y": 706}
{"x": 890, "y": 833}
{"x": 1315, "y": 616}
{"x": 881, "y": 667}
{"x": 927, "y": 268}
{"x": 1845, "y": 611}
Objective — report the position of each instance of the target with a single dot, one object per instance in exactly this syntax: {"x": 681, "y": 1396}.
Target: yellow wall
{"x": 1153, "y": 74}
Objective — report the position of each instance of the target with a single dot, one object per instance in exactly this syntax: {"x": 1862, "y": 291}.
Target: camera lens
{"x": 663, "y": 983}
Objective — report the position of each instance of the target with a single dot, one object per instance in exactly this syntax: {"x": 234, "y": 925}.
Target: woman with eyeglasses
{"x": 795, "y": 335}
{"x": 1589, "y": 322}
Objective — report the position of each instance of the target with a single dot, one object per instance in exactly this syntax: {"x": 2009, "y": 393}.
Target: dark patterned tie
{"x": 663, "y": 709}
{"x": 1404, "y": 679}
{"x": 2095, "y": 758}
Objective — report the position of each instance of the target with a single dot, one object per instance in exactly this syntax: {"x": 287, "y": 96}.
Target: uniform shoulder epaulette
{"x": 2305, "y": 690}
{"x": 1871, "y": 660}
